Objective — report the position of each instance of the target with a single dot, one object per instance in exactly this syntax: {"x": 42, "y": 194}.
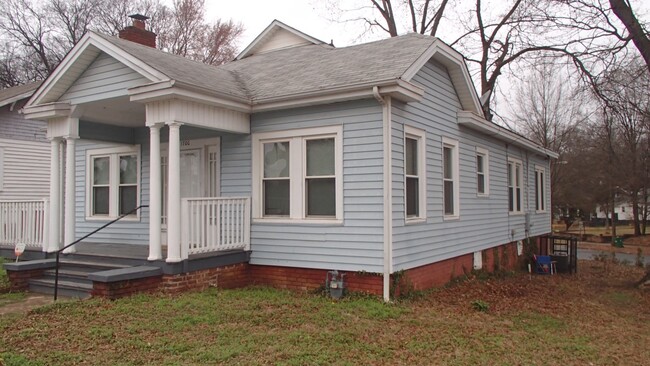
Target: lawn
{"x": 5, "y": 296}
{"x": 595, "y": 317}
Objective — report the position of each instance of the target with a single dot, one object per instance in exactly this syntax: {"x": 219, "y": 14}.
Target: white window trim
{"x": 447, "y": 142}
{"x": 486, "y": 171}
{"x": 540, "y": 187}
{"x": 297, "y": 207}
{"x": 421, "y": 138}
{"x": 113, "y": 182}
{"x": 516, "y": 162}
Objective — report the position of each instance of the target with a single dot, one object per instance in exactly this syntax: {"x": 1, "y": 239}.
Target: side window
{"x": 482, "y": 172}
{"x": 450, "y": 169}
{"x": 515, "y": 179}
{"x": 540, "y": 191}
{"x": 415, "y": 173}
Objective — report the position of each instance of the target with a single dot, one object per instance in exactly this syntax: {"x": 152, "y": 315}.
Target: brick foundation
{"x": 306, "y": 279}
{"x": 19, "y": 280}
{"x": 233, "y": 276}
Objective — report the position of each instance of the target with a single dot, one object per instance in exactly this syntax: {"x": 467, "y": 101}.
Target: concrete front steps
{"x": 73, "y": 277}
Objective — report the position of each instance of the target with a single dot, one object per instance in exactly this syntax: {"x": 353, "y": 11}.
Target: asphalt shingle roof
{"x": 9, "y": 93}
{"x": 292, "y": 71}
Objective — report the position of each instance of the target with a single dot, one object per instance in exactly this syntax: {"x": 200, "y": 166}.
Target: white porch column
{"x": 55, "y": 197}
{"x": 155, "y": 194}
{"x": 69, "y": 232}
{"x": 174, "y": 195}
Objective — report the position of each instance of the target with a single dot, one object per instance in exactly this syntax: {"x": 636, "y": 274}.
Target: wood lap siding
{"x": 355, "y": 245}
{"x": 484, "y": 221}
{"x": 105, "y": 78}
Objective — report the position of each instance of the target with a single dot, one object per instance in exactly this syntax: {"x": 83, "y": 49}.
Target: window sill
{"x": 110, "y": 218}
{"x": 540, "y": 211}
{"x": 450, "y": 217}
{"x": 516, "y": 213}
{"x": 483, "y": 195}
{"x": 415, "y": 220}
{"x": 323, "y": 222}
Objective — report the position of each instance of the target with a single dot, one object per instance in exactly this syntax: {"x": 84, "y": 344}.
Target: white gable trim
{"x": 268, "y": 32}
{"x": 92, "y": 43}
{"x": 478, "y": 123}
{"x": 455, "y": 64}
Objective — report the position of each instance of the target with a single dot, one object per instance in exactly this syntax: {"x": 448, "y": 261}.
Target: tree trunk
{"x": 635, "y": 212}
{"x": 613, "y": 212}
{"x": 639, "y": 37}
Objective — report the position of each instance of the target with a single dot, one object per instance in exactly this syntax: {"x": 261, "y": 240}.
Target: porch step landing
{"x": 73, "y": 277}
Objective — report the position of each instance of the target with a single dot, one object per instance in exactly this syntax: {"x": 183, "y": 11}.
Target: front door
{"x": 199, "y": 160}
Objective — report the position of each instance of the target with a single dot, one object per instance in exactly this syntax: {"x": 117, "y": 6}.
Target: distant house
{"x": 623, "y": 212}
{"x": 24, "y": 162}
{"x": 369, "y": 159}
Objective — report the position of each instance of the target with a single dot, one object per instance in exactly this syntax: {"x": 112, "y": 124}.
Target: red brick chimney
{"x": 137, "y": 32}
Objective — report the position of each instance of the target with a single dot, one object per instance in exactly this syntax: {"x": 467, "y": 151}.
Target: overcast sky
{"x": 304, "y": 15}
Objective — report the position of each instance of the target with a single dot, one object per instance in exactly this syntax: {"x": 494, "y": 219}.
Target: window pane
{"x": 412, "y": 191}
{"x": 447, "y": 163}
{"x": 517, "y": 178}
{"x": 541, "y": 192}
{"x": 100, "y": 200}
{"x": 128, "y": 198}
{"x": 449, "y": 197}
{"x": 537, "y": 191}
{"x": 320, "y": 157}
{"x": 276, "y": 197}
{"x": 321, "y": 197}
{"x": 276, "y": 159}
{"x": 511, "y": 205}
{"x": 518, "y": 197}
{"x": 479, "y": 163}
{"x": 411, "y": 149}
{"x": 101, "y": 170}
{"x": 481, "y": 183}
{"x": 128, "y": 169}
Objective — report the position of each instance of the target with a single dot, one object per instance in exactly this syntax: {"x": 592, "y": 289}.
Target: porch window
{"x": 450, "y": 178}
{"x": 113, "y": 181}
{"x": 414, "y": 173}
{"x": 298, "y": 174}
{"x": 515, "y": 179}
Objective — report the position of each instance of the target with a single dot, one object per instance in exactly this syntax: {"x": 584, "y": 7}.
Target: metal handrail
{"x": 58, "y": 252}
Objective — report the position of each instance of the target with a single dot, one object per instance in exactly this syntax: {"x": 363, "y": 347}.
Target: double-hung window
{"x": 414, "y": 173}
{"x": 450, "y": 168}
{"x": 540, "y": 191}
{"x": 515, "y": 180}
{"x": 297, "y": 174}
{"x": 113, "y": 181}
{"x": 482, "y": 172}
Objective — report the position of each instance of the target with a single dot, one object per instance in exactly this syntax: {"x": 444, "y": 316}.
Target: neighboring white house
{"x": 370, "y": 158}
{"x": 623, "y": 211}
{"x": 24, "y": 166}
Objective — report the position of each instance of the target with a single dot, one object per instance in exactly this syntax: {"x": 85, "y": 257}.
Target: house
{"x": 24, "y": 166}
{"x": 372, "y": 160}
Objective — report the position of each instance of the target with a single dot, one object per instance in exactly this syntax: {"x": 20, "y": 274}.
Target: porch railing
{"x": 215, "y": 224}
{"x": 24, "y": 222}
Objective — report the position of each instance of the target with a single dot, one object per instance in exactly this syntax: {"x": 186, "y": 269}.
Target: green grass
{"x": 4, "y": 281}
{"x": 546, "y": 320}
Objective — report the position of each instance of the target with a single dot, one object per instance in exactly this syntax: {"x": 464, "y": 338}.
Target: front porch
{"x": 118, "y": 270}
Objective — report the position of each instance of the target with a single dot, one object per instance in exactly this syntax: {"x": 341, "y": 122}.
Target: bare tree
{"x": 639, "y": 35}
{"x": 38, "y": 34}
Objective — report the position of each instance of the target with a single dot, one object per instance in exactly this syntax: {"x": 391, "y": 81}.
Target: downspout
{"x": 388, "y": 191}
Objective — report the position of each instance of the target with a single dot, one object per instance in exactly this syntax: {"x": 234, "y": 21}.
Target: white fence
{"x": 215, "y": 224}
{"x": 24, "y": 222}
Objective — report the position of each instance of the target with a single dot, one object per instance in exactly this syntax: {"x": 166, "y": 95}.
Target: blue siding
{"x": 358, "y": 243}
{"x": 483, "y": 222}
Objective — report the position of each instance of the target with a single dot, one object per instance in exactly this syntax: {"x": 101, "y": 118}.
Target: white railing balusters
{"x": 23, "y": 222}
{"x": 215, "y": 224}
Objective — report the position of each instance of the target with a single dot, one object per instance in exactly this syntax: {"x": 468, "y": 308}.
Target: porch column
{"x": 174, "y": 195}
{"x": 55, "y": 197}
{"x": 69, "y": 204}
{"x": 155, "y": 193}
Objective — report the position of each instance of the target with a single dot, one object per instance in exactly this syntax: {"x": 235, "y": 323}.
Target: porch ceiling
{"x": 118, "y": 111}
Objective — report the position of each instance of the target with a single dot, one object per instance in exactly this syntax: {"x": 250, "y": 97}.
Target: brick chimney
{"x": 137, "y": 32}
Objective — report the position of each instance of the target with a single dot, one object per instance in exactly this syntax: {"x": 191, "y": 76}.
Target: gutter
{"x": 388, "y": 191}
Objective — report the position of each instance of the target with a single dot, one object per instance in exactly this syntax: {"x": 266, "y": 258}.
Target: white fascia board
{"x": 16, "y": 98}
{"x": 47, "y": 111}
{"x": 473, "y": 121}
{"x": 397, "y": 89}
{"x": 453, "y": 60}
{"x": 275, "y": 24}
{"x": 92, "y": 39}
{"x": 169, "y": 89}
